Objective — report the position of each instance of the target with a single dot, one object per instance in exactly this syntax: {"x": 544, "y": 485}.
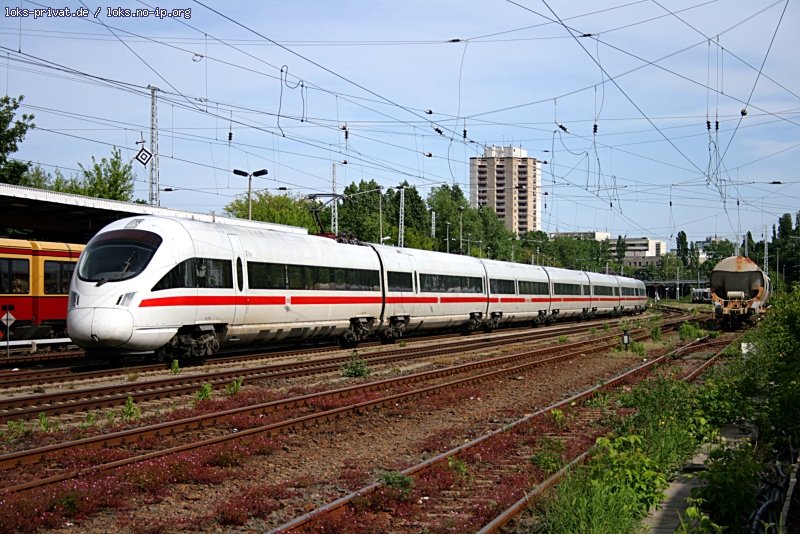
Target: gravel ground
{"x": 327, "y": 461}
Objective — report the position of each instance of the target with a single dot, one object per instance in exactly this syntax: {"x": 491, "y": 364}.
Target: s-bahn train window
{"x": 57, "y": 275}
{"x": 533, "y": 288}
{"x": 117, "y": 255}
{"x": 399, "y": 281}
{"x": 502, "y": 287}
{"x": 566, "y": 289}
{"x": 14, "y": 276}
{"x": 627, "y": 292}
{"x": 198, "y": 272}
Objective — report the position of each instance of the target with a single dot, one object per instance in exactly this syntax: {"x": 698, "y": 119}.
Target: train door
{"x": 239, "y": 280}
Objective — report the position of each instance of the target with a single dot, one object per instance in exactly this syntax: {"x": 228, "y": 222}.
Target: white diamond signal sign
{"x": 8, "y": 319}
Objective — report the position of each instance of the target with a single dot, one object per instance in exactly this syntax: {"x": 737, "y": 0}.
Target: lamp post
{"x": 261, "y": 172}
{"x": 447, "y": 226}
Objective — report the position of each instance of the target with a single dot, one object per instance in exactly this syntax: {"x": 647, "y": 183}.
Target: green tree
{"x": 109, "y": 178}
{"x": 279, "y": 209}
{"x": 622, "y": 246}
{"x": 360, "y": 211}
{"x": 447, "y": 201}
{"x": 12, "y": 132}
{"x": 683, "y": 248}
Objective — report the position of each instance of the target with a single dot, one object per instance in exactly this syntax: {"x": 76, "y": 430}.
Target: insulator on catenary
{"x": 708, "y": 125}
{"x": 594, "y": 129}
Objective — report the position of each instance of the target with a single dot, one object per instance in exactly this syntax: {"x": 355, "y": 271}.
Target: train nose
{"x": 99, "y": 327}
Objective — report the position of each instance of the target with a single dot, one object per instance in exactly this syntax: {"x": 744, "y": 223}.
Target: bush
{"x": 587, "y": 507}
{"x": 690, "y": 331}
{"x": 398, "y": 481}
{"x": 355, "y": 367}
{"x": 729, "y": 484}
{"x": 622, "y": 466}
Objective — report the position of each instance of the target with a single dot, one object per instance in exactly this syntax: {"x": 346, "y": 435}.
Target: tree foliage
{"x": 280, "y": 209}
{"x": 12, "y": 132}
{"x": 109, "y": 178}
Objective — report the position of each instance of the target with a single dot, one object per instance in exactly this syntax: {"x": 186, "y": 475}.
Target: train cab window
{"x": 502, "y": 287}
{"x": 117, "y": 255}
{"x": 198, "y": 272}
{"x": 398, "y": 281}
{"x": 14, "y": 276}
{"x": 57, "y": 275}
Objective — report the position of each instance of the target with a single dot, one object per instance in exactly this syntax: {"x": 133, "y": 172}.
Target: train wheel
{"x": 386, "y": 338}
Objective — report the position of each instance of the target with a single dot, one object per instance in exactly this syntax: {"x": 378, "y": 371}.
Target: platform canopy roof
{"x": 27, "y": 213}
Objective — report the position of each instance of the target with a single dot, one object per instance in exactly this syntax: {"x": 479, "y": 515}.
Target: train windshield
{"x": 117, "y": 255}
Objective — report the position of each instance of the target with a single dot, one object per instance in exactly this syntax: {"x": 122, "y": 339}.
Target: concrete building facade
{"x": 509, "y": 182}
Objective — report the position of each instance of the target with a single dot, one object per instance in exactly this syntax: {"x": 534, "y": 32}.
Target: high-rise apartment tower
{"x": 508, "y": 181}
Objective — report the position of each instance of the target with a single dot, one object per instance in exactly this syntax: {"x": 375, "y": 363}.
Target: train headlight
{"x": 126, "y": 299}
{"x": 74, "y": 298}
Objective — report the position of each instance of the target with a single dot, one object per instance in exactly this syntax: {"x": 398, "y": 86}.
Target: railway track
{"x": 489, "y": 470}
{"x": 88, "y": 399}
{"x": 289, "y": 413}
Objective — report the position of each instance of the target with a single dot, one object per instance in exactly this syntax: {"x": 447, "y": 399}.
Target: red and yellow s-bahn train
{"x": 34, "y": 285}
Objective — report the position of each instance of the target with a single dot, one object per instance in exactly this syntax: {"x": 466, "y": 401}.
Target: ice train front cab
{"x": 115, "y": 273}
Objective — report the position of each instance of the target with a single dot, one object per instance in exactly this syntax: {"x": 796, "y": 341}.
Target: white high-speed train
{"x": 185, "y": 288}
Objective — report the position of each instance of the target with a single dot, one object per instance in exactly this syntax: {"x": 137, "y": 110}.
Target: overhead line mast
{"x": 154, "y": 186}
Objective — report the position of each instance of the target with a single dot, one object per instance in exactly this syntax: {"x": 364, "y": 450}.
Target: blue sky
{"x": 285, "y": 78}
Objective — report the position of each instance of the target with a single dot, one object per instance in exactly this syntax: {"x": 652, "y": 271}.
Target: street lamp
{"x": 447, "y": 225}
{"x": 250, "y": 175}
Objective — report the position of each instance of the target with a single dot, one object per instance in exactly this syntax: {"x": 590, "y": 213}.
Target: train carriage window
{"x": 533, "y": 288}
{"x": 311, "y": 277}
{"x": 239, "y": 274}
{"x": 566, "y": 289}
{"x": 398, "y": 281}
{"x": 442, "y": 283}
{"x": 585, "y": 290}
{"x": 502, "y": 287}
{"x": 266, "y": 275}
{"x": 604, "y": 291}
{"x": 14, "y": 276}
{"x": 198, "y": 272}
{"x": 57, "y": 275}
